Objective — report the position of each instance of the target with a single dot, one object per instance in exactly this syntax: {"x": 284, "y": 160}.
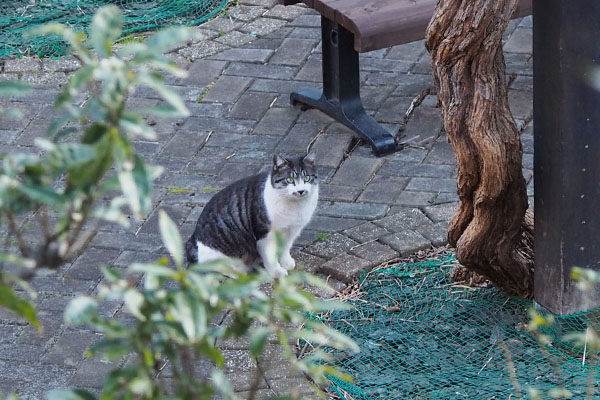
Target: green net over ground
{"x": 423, "y": 337}
{"x": 16, "y": 16}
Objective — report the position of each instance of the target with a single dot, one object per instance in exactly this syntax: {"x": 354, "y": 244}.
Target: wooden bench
{"x": 349, "y": 27}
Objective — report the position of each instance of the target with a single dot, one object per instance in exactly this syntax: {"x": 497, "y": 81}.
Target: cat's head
{"x": 295, "y": 177}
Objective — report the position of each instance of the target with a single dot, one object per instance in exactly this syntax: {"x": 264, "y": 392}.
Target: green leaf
{"x": 222, "y": 385}
{"x": 136, "y": 186}
{"x": 191, "y": 314}
{"x": 22, "y": 308}
{"x": 134, "y": 301}
{"x": 73, "y": 394}
{"x": 75, "y": 39}
{"x": 171, "y": 97}
{"x": 154, "y": 269}
{"x": 111, "y": 349}
{"x": 112, "y": 212}
{"x": 80, "y": 310}
{"x": 167, "y": 39}
{"x": 66, "y": 155}
{"x": 171, "y": 237}
{"x": 13, "y": 88}
{"x": 42, "y": 195}
{"x": 80, "y": 78}
{"x": 258, "y": 340}
{"x": 211, "y": 352}
{"x": 136, "y": 126}
{"x": 105, "y": 29}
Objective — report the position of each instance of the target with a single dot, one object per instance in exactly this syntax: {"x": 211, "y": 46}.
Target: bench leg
{"x": 340, "y": 98}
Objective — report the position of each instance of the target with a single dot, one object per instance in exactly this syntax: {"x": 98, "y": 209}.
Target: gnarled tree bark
{"x": 489, "y": 230}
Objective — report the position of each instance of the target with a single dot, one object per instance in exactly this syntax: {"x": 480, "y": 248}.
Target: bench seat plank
{"x": 378, "y": 24}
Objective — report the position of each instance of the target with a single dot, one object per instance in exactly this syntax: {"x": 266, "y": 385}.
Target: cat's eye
{"x": 290, "y": 180}
{"x": 307, "y": 178}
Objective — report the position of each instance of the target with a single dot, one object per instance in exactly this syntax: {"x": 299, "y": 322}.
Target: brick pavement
{"x": 243, "y": 65}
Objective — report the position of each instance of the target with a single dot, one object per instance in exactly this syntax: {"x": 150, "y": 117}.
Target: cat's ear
{"x": 278, "y": 161}
{"x": 309, "y": 159}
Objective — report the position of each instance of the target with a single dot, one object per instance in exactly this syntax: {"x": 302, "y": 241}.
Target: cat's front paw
{"x": 276, "y": 271}
{"x": 287, "y": 262}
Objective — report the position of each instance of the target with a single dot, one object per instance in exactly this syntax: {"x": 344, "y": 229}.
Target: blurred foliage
{"x": 87, "y": 170}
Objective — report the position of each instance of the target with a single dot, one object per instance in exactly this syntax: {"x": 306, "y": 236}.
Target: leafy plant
{"x": 57, "y": 193}
{"x": 173, "y": 312}
{"x": 89, "y": 156}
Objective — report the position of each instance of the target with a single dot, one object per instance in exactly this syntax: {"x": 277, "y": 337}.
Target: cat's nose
{"x": 301, "y": 192}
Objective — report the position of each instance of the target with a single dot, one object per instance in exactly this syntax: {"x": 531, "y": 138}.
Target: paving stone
{"x": 446, "y": 198}
{"x": 441, "y": 213}
{"x": 87, "y": 266}
{"x": 277, "y": 86}
{"x": 357, "y": 171}
{"x": 406, "y": 242}
{"x": 264, "y": 3}
{"x": 345, "y": 267}
{"x": 202, "y": 49}
{"x": 91, "y": 373}
{"x": 245, "y": 13}
{"x": 355, "y": 210}
{"x": 435, "y": 185}
{"x": 331, "y": 224}
{"x": 338, "y": 193}
{"x": 252, "y": 105}
{"x": 411, "y": 169}
{"x": 184, "y": 144}
{"x": 221, "y": 24}
{"x": 293, "y": 52}
{"x": 248, "y": 55}
{"x": 410, "y": 198}
{"x": 437, "y": 233}
{"x": 70, "y": 348}
{"x": 393, "y": 109}
{"x": 276, "y": 121}
{"x": 147, "y": 243}
{"x": 366, "y": 232}
{"x": 410, "y": 218}
{"x": 23, "y": 64}
{"x": 331, "y": 147}
{"x": 521, "y": 104}
{"x": 298, "y": 138}
{"x": 233, "y": 171}
{"x": 312, "y": 69}
{"x": 200, "y": 124}
{"x": 374, "y": 252}
{"x": 521, "y": 41}
{"x": 260, "y": 70}
{"x": 235, "y": 39}
{"x": 408, "y": 52}
{"x": 227, "y": 89}
{"x": 203, "y": 72}
{"x": 424, "y": 126}
{"x": 306, "y": 33}
{"x": 332, "y": 246}
{"x": 306, "y": 261}
{"x": 244, "y": 143}
{"x": 383, "y": 189}
{"x": 262, "y": 26}
{"x": 312, "y": 20}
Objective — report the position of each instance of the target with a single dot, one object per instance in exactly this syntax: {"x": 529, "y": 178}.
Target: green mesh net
{"x": 16, "y": 16}
{"x": 422, "y": 337}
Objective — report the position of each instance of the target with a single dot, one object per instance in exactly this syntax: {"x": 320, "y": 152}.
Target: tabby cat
{"x": 241, "y": 220}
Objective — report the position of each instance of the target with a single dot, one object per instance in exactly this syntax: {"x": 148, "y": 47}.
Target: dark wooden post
{"x": 566, "y": 37}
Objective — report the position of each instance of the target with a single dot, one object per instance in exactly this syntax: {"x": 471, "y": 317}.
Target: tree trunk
{"x": 489, "y": 229}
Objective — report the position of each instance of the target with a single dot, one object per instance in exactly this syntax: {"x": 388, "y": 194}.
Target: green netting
{"x": 422, "y": 337}
{"x": 16, "y": 16}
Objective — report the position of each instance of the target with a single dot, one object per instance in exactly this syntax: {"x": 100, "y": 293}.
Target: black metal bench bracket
{"x": 340, "y": 98}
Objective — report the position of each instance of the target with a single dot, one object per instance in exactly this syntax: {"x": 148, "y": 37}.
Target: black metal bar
{"x": 340, "y": 98}
{"x": 567, "y": 150}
